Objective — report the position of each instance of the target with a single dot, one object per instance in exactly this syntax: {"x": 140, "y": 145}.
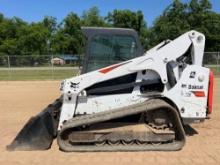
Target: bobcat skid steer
{"x": 140, "y": 102}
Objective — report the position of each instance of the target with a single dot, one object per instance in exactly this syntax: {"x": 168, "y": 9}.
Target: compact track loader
{"x": 140, "y": 102}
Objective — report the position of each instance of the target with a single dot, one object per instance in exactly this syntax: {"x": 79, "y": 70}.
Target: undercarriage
{"x": 106, "y": 131}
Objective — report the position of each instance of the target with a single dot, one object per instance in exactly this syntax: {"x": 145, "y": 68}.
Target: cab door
{"x": 105, "y": 50}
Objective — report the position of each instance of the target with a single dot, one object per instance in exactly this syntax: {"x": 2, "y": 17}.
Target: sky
{"x": 35, "y": 10}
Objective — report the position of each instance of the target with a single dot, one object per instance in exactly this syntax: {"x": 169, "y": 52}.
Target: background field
{"x": 48, "y": 73}
{"x": 20, "y": 100}
{"x": 29, "y": 68}
{"x": 37, "y": 73}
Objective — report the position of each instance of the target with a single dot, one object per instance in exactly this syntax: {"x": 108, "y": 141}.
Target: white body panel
{"x": 182, "y": 94}
{"x": 154, "y": 62}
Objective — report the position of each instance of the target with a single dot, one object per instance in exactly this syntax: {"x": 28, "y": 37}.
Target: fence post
{"x": 9, "y": 68}
{"x": 52, "y": 67}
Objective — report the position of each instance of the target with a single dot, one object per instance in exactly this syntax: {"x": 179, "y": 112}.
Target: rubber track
{"x": 148, "y": 105}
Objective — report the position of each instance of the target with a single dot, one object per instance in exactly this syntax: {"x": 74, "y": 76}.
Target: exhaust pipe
{"x": 38, "y": 133}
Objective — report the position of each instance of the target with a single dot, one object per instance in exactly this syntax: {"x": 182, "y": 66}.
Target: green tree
{"x": 126, "y": 19}
{"x": 181, "y": 17}
{"x": 50, "y": 23}
{"x": 199, "y": 6}
{"x": 171, "y": 23}
{"x": 9, "y": 35}
{"x": 92, "y": 18}
{"x": 1, "y": 17}
{"x": 18, "y": 37}
{"x": 69, "y": 38}
{"x": 33, "y": 39}
{"x": 129, "y": 19}
{"x": 203, "y": 19}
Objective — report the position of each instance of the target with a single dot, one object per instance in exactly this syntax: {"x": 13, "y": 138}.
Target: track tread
{"x": 117, "y": 113}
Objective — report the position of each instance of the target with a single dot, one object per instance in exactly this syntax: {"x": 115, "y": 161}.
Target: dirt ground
{"x": 21, "y": 100}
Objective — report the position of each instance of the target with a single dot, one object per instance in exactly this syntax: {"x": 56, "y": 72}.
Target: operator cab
{"x": 107, "y": 46}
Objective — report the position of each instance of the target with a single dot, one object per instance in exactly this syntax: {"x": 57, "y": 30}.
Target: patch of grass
{"x": 216, "y": 70}
{"x": 46, "y": 73}
{"x": 14, "y": 75}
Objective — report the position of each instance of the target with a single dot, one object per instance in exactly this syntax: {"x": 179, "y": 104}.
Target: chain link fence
{"x": 32, "y": 67}
{"x": 212, "y": 61}
{"x": 49, "y": 67}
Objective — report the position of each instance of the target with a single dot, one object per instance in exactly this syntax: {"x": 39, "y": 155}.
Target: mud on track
{"x": 21, "y": 100}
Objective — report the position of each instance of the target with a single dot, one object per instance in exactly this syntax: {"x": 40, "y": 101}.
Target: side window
{"x": 110, "y": 49}
{"x": 124, "y": 47}
{"x": 101, "y": 48}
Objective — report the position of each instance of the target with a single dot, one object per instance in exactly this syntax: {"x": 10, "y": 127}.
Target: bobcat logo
{"x": 192, "y": 74}
{"x": 74, "y": 85}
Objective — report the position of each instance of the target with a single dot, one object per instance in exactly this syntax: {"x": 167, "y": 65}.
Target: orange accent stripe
{"x": 210, "y": 93}
{"x": 110, "y": 68}
{"x": 199, "y": 93}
